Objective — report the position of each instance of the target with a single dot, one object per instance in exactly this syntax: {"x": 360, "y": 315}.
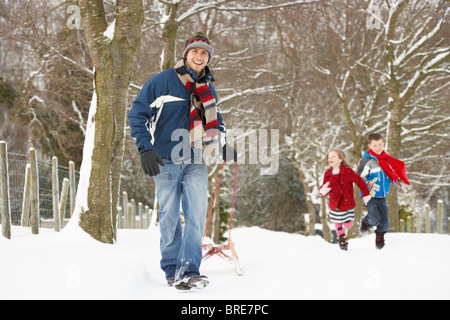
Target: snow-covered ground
{"x": 276, "y": 265}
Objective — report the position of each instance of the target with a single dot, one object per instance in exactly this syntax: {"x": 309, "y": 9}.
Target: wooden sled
{"x": 219, "y": 249}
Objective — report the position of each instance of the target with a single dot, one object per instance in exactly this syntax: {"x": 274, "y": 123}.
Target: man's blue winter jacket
{"x": 163, "y": 106}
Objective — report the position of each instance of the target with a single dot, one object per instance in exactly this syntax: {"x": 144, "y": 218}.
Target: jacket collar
{"x": 329, "y": 172}
{"x": 368, "y": 155}
{"x": 206, "y": 77}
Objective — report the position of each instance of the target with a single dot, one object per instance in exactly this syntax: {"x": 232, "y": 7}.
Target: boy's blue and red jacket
{"x": 164, "y": 90}
{"x": 369, "y": 169}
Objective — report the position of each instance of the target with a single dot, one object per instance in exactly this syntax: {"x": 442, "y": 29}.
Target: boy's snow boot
{"x": 343, "y": 242}
{"x": 364, "y": 227}
{"x": 379, "y": 240}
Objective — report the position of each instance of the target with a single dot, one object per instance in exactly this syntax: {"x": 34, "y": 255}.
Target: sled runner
{"x": 219, "y": 249}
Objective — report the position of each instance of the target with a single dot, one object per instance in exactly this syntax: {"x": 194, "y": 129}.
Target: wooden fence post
{"x": 125, "y": 209}
{"x": 141, "y": 216}
{"x": 63, "y": 202}
{"x": 418, "y": 229}
{"x": 26, "y": 198}
{"x": 409, "y": 224}
{"x": 147, "y": 216}
{"x": 55, "y": 195}
{"x": 72, "y": 184}
{"x": 440, "y": 204}
{"x": 401, "y": 226}
{"x": 5, "y": 209}
{"x": 306, "y": 217}
{"x": 132, "y": 214}
{"x": 34, "y": 216}
{"x": 427, "y": 218}
{"x": 128, "y": 217}
{"x": 119, "y": 218}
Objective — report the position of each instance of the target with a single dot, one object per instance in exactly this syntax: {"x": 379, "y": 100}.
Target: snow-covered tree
{"x": 112, "y": 48}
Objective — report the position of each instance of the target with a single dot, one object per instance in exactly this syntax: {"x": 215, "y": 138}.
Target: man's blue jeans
{"x": 378, "y": 215}
{"x": 186, "y": 184}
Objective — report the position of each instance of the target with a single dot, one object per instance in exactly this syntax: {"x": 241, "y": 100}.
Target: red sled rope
{"x": 219, "y": 249}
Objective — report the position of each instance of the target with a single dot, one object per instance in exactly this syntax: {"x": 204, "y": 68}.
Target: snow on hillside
{"x": 276, "y": 265}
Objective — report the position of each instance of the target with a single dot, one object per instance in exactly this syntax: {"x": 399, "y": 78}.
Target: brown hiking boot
{"x": 198, "y": 282}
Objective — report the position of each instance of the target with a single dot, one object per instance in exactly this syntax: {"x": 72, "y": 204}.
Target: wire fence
{"x": 17, "y": 167}
{"x": 16, "y": 179}
{"x": 13, "y": 195}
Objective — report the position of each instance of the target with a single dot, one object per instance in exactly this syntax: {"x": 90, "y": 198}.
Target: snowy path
{"x": 276, "y": 265}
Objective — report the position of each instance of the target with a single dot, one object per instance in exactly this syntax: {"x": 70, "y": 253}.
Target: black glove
{"x": 149, "y": 162}
{"x": 229, "y": 153}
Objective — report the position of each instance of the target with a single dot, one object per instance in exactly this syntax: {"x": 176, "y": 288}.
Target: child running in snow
{"x": 378, "y": 169}
{"x": 338, "y": 184}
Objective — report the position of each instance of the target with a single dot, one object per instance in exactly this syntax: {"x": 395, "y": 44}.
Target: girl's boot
{"x": 343, "y": 242}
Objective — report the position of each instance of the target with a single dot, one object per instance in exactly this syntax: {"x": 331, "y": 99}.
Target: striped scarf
{"x": 203, "y": 106}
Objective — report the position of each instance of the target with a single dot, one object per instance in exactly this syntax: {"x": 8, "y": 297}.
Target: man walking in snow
{"x": 176, "y": 101}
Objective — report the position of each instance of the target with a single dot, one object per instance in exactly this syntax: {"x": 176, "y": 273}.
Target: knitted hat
{"x": 198, "y": 40}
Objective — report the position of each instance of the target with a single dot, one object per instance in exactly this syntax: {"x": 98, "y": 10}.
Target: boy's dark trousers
{"x": 378, "y": 215}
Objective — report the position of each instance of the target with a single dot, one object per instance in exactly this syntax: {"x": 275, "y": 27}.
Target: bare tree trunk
{"x": 309, "y": 202}
{"x": 169, "y": 36}
{"x": 113, "y": 62}
{"x": 326, "y": 234}
{"x": 394, "y": 146}
{"x": 5, "y": 212}
{"x": 394, "y": 117}
{"x": 354, "y": 231}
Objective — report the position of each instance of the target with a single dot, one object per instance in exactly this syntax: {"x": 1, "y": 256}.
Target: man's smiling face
{"x": 197, "y": 58}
